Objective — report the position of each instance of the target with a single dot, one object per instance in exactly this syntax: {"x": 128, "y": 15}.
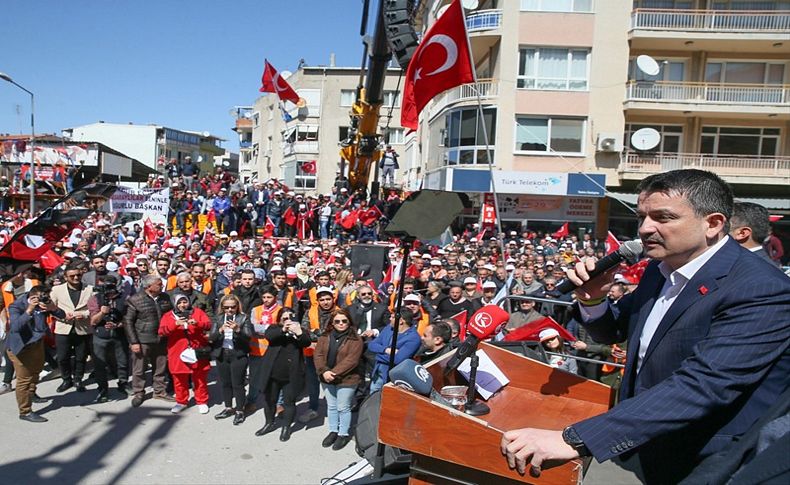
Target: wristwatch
{"x": 570, "y": 436}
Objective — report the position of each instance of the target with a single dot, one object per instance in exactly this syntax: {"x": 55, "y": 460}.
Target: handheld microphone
{"x": 482, "y": 325}
{"x": 629, "y": 251}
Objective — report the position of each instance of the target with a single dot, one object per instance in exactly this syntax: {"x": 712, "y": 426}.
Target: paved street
{"x": 114, "y": 443}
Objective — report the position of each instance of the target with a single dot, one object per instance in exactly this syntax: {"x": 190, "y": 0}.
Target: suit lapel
{"x": 652, "y": 291}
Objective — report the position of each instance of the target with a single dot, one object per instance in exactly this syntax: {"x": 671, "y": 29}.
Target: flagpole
{"x": 488, "y": 148}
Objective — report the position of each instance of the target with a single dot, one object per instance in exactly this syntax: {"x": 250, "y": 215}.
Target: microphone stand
{"x": 406, "y": 242}
{"x": 473, "y": 407}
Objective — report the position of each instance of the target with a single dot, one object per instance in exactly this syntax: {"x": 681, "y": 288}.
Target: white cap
{"x": 234, "y": 233}
{"x": 436, "y": 262}
{"x": 290, "y": 271}
{"x": 344, "y": 189}
{"x": 489, "y": 267}
{"x": 470, "y": 281}
{"x": 414, "y": 254}
{"x": 226, "y": 258}
{"x": 489, "y": 285}
{"x": 324, "y": 289}
{"x": 510, "y": 267}
{"x": 474, "y": 239}
{"x": 112, "y": 266}
{"x": 131, "y": 266}
{"x": 411, "y": 297}
{"x": 550, "y": 263}
{"x": 170, "y": 251}
{"x": 70, "y": 255}
{"x": 548, "y": 333}
{"x": 426, "y": 256}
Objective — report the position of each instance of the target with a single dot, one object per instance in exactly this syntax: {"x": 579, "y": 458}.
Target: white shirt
{"x": 673, "y": 286}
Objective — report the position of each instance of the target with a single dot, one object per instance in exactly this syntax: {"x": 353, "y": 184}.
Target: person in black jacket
{"x": 230, "y": 336}
{"x": 248, "y": 294}
{"x": 283, "y": 370}
{"x": 367, "y": 315}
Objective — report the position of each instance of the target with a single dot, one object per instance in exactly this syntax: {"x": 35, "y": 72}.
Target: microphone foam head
{"x": 486, "y": 319}
{"x": 412, "y": 376}
{"x": 632, "y": 251}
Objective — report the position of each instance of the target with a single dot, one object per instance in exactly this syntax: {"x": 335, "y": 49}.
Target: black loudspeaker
{"x": 368, "y": 260}
{"x": 366, "y": 437}
{"x": 401, "y": 37}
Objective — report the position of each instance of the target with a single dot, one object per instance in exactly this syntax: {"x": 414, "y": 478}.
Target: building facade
{"x": 284, "y": 138}
{"x": 562, "y": 95}
{"x": 152, "y": 144}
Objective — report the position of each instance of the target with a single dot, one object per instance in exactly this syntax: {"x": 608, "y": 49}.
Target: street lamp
{"x": 6, "y": 77}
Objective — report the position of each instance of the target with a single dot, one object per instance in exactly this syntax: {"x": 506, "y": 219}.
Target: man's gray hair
{"x": 149, "y": 280}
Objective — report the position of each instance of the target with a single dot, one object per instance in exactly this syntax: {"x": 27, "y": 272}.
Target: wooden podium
{"x": 449, "y": 446}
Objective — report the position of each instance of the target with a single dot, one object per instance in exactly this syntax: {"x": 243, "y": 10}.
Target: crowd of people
{"x": 280, "y": 315}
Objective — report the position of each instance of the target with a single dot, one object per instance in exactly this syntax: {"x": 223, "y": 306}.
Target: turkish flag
{"x": 612, "y": 244}
{"x": 289, "y": 217}
{"x": 309, "y": 167}
{"x": 149, "y": 231}
{"x": 442, "y": 61}
{"x": 50, "y": 260}
{"x": 370, "y": 216}
{"x": 271, "y": 82}
{"x": 562, "y": 231}
{"x": 531, "y": 331}
{"x": 460, "y": 317}
{"x": 350, "y": 220}
{"x": 268, "y": 228}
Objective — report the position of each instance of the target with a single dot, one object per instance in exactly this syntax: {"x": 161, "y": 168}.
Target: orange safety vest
{"x": 8, "y": 295}
{"x": 608, "y": 369}
{"x": 315, "y": 324}
{"x": 314, "y": 296}
{"x": 425, "y": 320}
{"x": 171, "y": 282}
{"x": 288, "y": 301}
{"x": 206, "y": 287}
{"x": 262, "y": 316}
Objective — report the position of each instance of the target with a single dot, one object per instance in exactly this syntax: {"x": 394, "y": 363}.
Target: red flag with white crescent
{"x": 442, "y": 61}
{"x": 612, "y": 244}
{"x": 272, "y": 82}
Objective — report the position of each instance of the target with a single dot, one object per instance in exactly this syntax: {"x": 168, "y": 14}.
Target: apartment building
{"x": 283, "y": 138}
{"x": 562, "y": 95}
{"x": 151, "y": 143}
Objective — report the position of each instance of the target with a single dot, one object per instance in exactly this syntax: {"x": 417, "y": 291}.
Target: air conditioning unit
{"x": 267, "y": 153}
{"x": 609, "y": 142}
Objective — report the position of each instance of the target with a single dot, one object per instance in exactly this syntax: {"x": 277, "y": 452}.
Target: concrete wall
{"x": 135, "y": 141}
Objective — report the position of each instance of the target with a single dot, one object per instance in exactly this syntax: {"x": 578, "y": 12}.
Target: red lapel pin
{"x": 703, "y": 290}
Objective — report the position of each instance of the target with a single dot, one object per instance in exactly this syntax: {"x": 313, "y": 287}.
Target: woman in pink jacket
{"x": 185, "y": 328}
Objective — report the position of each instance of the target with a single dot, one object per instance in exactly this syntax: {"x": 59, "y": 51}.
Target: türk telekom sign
{"x": 519, "y": 182}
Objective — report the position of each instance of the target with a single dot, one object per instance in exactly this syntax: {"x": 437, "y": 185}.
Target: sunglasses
{"x": 229, "y": 307}
{"x": 337, "y": 320}
{"x": 365, "y": 294}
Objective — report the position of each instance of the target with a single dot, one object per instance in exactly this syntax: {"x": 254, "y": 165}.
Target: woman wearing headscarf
{"x": 230, "y": 340}
{"x": 337, "y": 360}
{"x": 283, "y": 370}
{"x": 185, "y": 328}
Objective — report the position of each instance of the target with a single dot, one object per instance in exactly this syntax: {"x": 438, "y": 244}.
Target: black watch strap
{"x": 570, "y": 436}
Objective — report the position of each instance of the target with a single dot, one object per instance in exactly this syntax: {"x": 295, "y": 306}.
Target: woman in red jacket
{"x": 185, "y": 327}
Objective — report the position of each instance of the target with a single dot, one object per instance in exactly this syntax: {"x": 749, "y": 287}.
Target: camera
{"x": 44, "y": 298}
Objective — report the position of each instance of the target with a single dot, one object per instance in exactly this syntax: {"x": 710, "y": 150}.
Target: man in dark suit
{"x": 708, "y": 330}
{"x": 749, "y": 226}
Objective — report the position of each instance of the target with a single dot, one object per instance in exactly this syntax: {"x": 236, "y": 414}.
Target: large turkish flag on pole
{"x": 442, "y": 61}
{"x": 271, "y": 82}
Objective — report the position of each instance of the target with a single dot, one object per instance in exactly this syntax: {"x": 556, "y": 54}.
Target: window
{"x": 745, "y": 72}
{"x": 550, "y": 68}
{"x": 347, "y": 97}
{"x": 722, "y": 140}
{"x": 556, "y": 5}
{"x": 307, "y": 133}
{"x": 670, "y": 70}
{"x": 464, "y": 136}
{"x": 396, "y": 136}
{"x": 304, "y": 180}
{"x": 271, "y": 114}
{"x": 391, "y": 98}
{"x": 549, "y": 135}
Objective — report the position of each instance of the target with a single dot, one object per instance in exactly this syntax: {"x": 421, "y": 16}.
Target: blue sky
{"x": 182, "y": 64}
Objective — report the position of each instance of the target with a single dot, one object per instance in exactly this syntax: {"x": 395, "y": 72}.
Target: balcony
{"x": 483, "y": 20}
{"x": 694, "y": 30}
{"x": 488, "y": 89}
{"x": 300, "y": 147}
{"x": 742, "y": 169}
{"x": 771, "y": 99}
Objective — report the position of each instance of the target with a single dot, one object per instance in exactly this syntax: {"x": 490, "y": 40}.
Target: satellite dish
{"x": 286, "y": 74}
{"x": 206, "y": 134}
{"x": 302, "y": 113}
{"x": 200, "y": 159}
{"x": 441, "y": 11}
{"x": 645, "y": 139}
{"x": 648, "y": 65}
{"x": 470, "y": 4}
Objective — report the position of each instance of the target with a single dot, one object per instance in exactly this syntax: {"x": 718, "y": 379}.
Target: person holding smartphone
{"x": 230, "y": 340}
{"x": 283, "y": 370}
{"x": 185, "y": 328}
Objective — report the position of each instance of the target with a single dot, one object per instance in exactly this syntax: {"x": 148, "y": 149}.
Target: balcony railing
{"x": 711, "y": 20}
{"x": 484, "y": 20}
{"x": 725, "y": 165}
{"x": 488, "y": 88}
{"x": 709, "y": 93}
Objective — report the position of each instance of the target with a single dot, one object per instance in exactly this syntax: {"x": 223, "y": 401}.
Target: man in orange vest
{"x": 202, "y": 283}
{"x": 261, "y": 317}
{"x": 316, "y": 320}
{"x": 284, "y": 294}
